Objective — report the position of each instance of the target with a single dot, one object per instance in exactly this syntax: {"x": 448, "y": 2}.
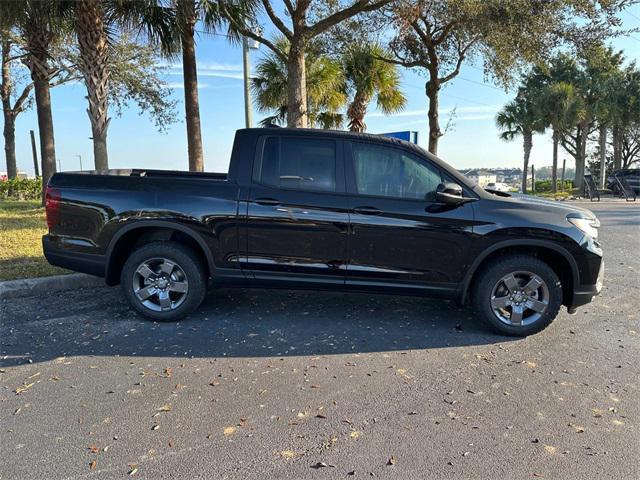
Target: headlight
{"x": 588, "y": 226}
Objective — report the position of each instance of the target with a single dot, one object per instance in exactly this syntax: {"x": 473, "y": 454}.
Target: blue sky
{"x": 134, "y": 142}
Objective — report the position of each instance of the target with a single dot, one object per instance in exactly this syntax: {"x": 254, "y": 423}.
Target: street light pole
{"x": 247, "y": 86}
{"x": 80, "y": 158}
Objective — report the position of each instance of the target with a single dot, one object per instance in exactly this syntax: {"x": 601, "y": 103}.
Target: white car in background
{"x": 497, "y": 186}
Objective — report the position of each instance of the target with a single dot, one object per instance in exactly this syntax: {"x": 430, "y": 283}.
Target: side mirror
{"x": 449, "y": 193}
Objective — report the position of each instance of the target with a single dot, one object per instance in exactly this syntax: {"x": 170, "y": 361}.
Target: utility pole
{"x": 35, "y": 154}
{"x": 80, "y": 158}
{"x": 247, "y": 45}
{"x": 247, "y": 86}
{"x": 533, "y": 180}
{"x": 564, "y": 164}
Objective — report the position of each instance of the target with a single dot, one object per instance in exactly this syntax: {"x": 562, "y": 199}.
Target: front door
{"x": 296, "y": 221}
{"x": 399, "y": 235}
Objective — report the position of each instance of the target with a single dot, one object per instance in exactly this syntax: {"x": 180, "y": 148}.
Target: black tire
{"x": 489, "y": 278}
{"x": 188, "y": 270}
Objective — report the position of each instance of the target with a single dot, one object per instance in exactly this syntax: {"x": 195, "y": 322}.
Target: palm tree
{"x": 562, "y": 108}
{"x": 369, "y": 76}
{"x": 187, "y": 16}
{"x": 40, "y": 24}
{"x": 95, "y": 23}
{"x": 603, "y": 69}
{"x": 519, "y": 118}
{"x": 325, "y": 88}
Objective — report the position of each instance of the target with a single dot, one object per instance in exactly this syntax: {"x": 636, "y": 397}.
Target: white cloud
{"x": 443, "y": 111}
{"x": 180, "y": 85}
{"x": 208, "y": 69}
{"x": 205, "y": 66}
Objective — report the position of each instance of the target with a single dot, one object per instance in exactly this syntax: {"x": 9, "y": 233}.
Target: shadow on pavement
{"x": 233, "y": 323}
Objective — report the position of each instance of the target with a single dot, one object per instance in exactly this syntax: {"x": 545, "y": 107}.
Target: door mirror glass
{"x": 449, "y": 193}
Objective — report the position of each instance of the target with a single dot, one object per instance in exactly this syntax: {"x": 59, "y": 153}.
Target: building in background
{"x": 4, "y": 176}
{"x": 481, "y": 177}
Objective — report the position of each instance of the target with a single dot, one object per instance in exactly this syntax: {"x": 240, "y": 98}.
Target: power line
{"x": 453, "y": 96}
{"x": 466, "y": 99}
{"x": 479, "y": 83}
{"x": 632, "y": 14}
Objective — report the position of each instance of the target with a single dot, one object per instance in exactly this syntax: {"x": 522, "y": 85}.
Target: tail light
{"x": 52, "y": 206}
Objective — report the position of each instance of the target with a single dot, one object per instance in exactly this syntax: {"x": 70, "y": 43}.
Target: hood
{"x": 551, "y": 206}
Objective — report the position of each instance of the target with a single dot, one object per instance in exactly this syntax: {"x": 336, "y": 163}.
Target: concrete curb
{"x": 36, "y": 286}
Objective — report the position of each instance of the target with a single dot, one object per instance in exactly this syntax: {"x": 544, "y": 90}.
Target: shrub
{"x": 21, "y": 189}
{"x": 545, "y": 185}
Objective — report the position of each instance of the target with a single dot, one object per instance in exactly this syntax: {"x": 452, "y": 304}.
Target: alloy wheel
{"x": 160, "y": 284}
{"x": 519, "y": 298}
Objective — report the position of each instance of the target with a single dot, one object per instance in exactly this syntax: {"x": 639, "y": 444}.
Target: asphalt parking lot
{"x": 263, "y": 384}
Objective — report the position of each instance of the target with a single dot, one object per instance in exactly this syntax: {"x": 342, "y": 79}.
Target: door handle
{"x": 267, "y": 201}
{"x": 367, "y": 210}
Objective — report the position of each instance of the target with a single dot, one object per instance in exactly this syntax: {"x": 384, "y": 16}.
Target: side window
{"x": 300, "y": 163}
{"x": 391, "y": 172}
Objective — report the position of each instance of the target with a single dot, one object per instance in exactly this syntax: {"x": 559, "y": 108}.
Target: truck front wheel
{"x": 164, "y": 281}
{"x": 517, "y": 295}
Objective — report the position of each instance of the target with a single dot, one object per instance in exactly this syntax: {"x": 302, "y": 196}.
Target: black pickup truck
{"x": 321, "y": 209}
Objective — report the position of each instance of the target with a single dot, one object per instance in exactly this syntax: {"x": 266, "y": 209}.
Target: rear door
{"x": 296, "y": 221}
{"x": 400, "y": 236}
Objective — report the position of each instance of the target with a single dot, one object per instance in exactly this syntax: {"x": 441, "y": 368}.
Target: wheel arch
{"x": 141, "y": 232}
{"x": 557, "y": 257}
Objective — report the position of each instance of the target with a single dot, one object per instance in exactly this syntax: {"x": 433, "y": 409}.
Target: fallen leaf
{"x": 23, "y": 387}
{"x": 165, "y": 408}
{"x": 94, "y": 449}
{"x": 229, "y": 430}
{"x": 391, "y": 461}
{"x": 320, "y": 415}
{"x": 322, "y": 465}
{"x": 287, "y": 454}
{"x": 550, "y": 449}
{"x": 93, "y": 464}
{"x": 355, "y": 434}
{"x": 133, "y": 471}
{"x": 155, "y": 427}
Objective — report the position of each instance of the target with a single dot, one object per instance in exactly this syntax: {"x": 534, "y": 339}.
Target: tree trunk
{"x": 527, "y": 136}
{"x": 9, "y": 130}
{"x": 189, "y": 70}
{"x": 617, "y": 149}
{"x": 94, "y": 52}
{"x": 296, "y": 88}
{"x": 356, "y": 113}
{"x": 433, "y": 90}
{"x": 45, "y": 128}
{"x": 554, "y": 167}
{"x": 38, "y": 41}
{"x": 603, "y": 156}
{"x": 581, "y": 152}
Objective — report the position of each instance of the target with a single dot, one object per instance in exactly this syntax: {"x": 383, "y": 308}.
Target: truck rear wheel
{"x": 517, "y": 295}
{"x": 164, "y": 281}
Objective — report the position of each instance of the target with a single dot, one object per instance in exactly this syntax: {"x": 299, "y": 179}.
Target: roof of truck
{"x": 340, "y": 134}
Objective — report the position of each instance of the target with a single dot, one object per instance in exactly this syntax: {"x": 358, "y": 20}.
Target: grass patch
{"x": 22, "y": 224}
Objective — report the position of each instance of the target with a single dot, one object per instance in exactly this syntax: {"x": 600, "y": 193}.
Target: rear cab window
{"x": 299, "y": 163}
